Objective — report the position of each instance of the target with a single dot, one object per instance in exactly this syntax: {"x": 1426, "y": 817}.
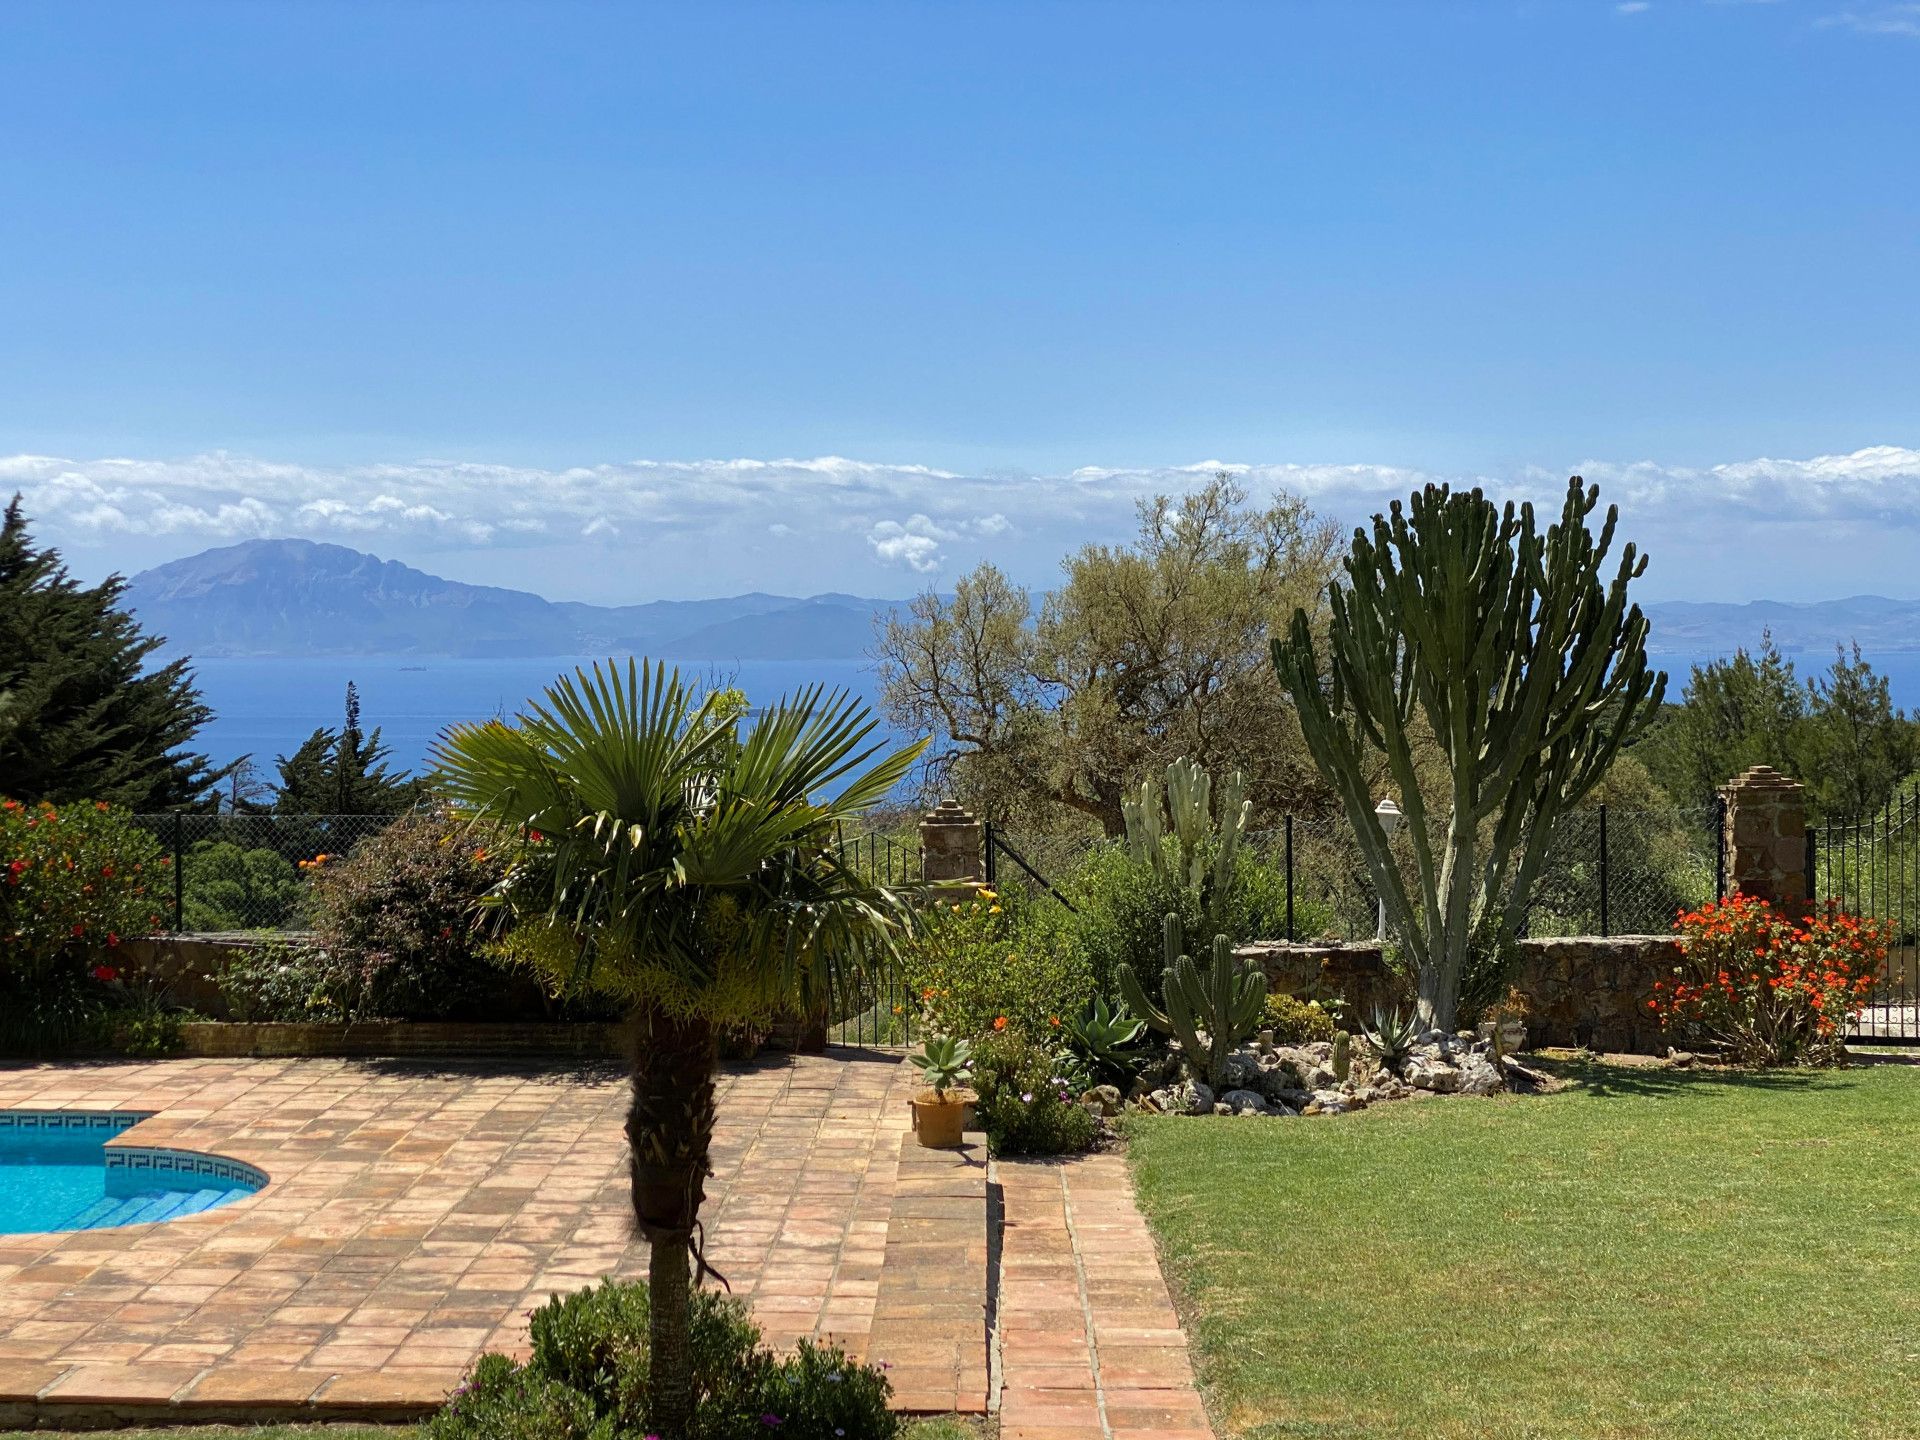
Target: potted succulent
{"x": 1505, "y": 1024}
{"x": 940, "y": 1110}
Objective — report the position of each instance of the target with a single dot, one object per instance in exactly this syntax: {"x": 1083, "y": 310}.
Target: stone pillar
{"x": 950, "y": 846}
{"x": 1765, "y": 838}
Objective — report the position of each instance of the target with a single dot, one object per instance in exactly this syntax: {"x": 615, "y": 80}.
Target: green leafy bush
{"x": 586, "y": 1377}
{"x": 399, "y": 920}
{"x": 976, "y": 959}
{"x": 504, "y": 1401}
{"x": 284, "y": 981}
{"x": 1123, "y": 909}
{"x": 1028, "y": 1098}
{"x": 1295, "y": 1021}
{"x": 74, "y": 882}
{"x": 226, "y": 887}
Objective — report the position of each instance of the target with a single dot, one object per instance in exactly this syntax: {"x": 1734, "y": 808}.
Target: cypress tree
{"x": 82, "y": 717}
{"x": 343, "y": 772}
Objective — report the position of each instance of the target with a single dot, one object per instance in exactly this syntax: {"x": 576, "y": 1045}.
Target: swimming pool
{"x": 57, "y": 1174}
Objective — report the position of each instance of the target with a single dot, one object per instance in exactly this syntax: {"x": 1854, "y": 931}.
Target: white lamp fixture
{"x": 1389, "y": 815}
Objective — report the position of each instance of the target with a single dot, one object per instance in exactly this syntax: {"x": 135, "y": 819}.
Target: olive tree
{"x": 1460, "y": 630}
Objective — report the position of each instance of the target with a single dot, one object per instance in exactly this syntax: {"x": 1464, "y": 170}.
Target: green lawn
{"x": 1651, "y": 1253}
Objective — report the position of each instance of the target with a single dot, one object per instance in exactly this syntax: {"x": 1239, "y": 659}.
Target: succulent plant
{"x": 1342, "y": 1056}
{"x": 1392, "y": 1035}
{"x": 1223, "y": 1003}
{"x": 1105, "y": 1036}
{"x": 1207, "y": 837}
{"x": 942, "y": 1061}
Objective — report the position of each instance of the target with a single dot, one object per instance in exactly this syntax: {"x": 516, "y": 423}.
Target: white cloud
{"x": 1633, "y": 7}
{"x": 1900, "y": 19}
{"x": 720, "y": 526}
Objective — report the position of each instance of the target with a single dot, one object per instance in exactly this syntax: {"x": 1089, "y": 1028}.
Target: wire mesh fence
{"x": 240, "y": 872}
{"x": 1607, "y": 871}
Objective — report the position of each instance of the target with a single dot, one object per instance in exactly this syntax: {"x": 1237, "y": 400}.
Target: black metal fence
{"x": 250, "y": 872}
{"x": 1608, "y": 871}
{"x": 1870, "y": 866}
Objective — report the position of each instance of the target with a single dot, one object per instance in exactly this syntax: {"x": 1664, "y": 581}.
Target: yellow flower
{"x": 993, "y": 910}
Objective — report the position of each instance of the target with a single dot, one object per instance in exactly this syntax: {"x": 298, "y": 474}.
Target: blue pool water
{"x": 57, "y": 1174}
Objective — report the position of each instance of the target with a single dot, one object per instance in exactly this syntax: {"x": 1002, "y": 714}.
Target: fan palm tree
{"x": 669, "y": 860}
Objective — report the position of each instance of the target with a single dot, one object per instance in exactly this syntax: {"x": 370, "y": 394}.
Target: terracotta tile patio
{"x": 415, "y": 1214}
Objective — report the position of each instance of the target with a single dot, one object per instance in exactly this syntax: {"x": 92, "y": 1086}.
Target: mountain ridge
{"x": 290, "y": 598}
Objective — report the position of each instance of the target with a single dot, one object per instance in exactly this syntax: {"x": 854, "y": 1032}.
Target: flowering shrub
{"x": 1767, "y": 989}
{"x": 977, "y": 964}
{"x": 586, "y": 1378}
{"x": 1029, "y": 1097}
{"x": 398, "y": 919}
{"x": 73, "y": 883}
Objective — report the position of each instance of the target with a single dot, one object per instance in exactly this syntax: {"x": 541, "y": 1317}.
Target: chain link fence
{"x": 239, "y": 872}
{"x": 1607, "y": 872}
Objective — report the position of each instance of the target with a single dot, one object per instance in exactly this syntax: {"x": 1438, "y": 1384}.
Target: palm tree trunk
{"x": 669, "y": 1132}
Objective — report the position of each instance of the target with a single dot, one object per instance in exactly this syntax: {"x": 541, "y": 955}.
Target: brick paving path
{"x": 414, "y": 1214}
{"x": 1089, "y": 1345}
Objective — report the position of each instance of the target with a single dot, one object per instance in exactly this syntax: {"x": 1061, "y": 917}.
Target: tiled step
{"x": 145, "y": 1209}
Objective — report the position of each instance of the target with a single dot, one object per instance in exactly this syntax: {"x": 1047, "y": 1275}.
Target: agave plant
{"x": 1392, "y": 1035}
{"x": 688, "y": 870}
{"x": 1105, "y": 1036}
{"x": 942, "y": 1061}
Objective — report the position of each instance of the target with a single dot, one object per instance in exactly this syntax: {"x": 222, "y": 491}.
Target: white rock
{"x": 1426, "y": 1072}
{"x": 1245, "y": 1102}
{"x": 1478, "y": 1077}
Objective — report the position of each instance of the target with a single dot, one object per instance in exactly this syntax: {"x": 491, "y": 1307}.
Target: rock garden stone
{"x": 1244, "y": 1102}
{"x": 1478, "y": 1076}
{"x": 1425, "y": 1070}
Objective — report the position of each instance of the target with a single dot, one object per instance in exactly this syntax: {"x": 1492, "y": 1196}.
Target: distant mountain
{"x": 297, "y": 597}
{"x": 300, "y": 598}
{"x": 1813, "y": 629}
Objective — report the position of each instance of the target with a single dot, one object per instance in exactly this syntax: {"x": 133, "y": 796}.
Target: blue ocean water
{"x": 265, "y": 708}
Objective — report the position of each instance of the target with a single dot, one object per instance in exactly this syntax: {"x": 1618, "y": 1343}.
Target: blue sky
{"x": 626, "y": 301}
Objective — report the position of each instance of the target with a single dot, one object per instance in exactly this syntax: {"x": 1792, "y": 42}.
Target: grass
{"x": 1652, "y": 1252}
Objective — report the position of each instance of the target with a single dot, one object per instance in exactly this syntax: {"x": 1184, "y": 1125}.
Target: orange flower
{"x": 1000, "y": 1022}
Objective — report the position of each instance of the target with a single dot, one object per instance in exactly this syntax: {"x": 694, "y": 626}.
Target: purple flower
{"x": 1027, "y": 1099}
{"x": 770, "y": 1420}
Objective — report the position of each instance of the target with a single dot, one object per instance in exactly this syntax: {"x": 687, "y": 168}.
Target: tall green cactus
{"x": 1198, "y": 827}
{"x": 1221, "y": 1003}
{"x": 1461, "y": 627}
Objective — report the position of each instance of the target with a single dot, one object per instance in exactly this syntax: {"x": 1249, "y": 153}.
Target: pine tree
{"x": 82, "y": 717}
{"x": 343, "y": 772}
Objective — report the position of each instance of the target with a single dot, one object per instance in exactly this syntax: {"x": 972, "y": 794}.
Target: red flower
{"x": 79, "y": 930}
{"x": 105, "y": 973}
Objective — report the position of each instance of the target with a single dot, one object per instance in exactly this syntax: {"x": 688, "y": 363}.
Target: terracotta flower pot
{"x": 940, "y": 1120}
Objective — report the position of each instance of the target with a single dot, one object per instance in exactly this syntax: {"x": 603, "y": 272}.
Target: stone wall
{"x": 1584, "y": 990}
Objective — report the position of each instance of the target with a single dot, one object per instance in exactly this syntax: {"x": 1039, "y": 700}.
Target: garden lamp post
{"x": 1389, "y": 816}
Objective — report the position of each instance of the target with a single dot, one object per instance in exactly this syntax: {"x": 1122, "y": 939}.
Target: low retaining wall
{"x": 400, "y": 1039}
{"x": 1583, "y": 989}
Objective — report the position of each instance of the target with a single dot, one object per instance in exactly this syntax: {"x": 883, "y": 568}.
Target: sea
{"x": 264, "y": 708}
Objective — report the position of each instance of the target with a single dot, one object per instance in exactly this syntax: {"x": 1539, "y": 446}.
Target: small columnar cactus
{"x": 1342, "y": 1056}
{"x": 1211, "y": 1012}
{"x": 1207, "y": 838}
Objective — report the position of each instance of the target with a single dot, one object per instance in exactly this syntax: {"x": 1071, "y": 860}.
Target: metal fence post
{"x": 1606, "y": 920}
{"x": 1291, "y": 937}
{"x": 179, "y": 873}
